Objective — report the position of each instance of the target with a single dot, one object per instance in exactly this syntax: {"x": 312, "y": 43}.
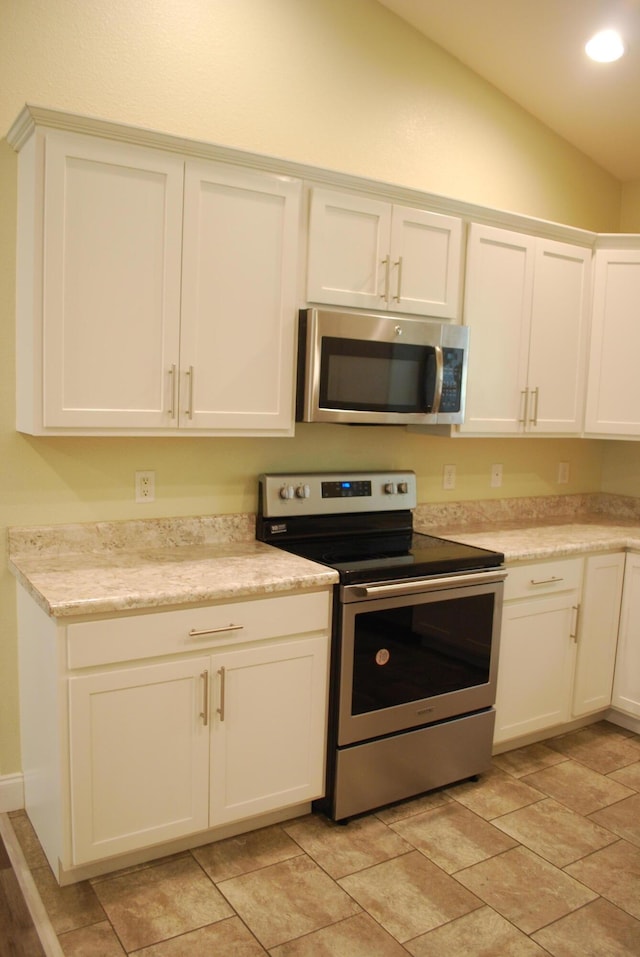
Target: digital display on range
{"x": 346, "y": 489}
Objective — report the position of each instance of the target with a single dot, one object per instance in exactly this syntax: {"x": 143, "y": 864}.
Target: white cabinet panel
{"x": 613, "y": 395}
{"x": 138, "y": 757}
{"x": 370, "y": 254}
{"x": 626, "y": 687}
{"x": 598, "y": 633}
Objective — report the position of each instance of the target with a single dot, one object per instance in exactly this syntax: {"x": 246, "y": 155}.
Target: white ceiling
{"x": 533, "y": 51}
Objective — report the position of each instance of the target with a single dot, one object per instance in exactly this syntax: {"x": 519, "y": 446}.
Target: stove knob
{"x": 303, "y": 491}
{"x": 286, "y": 491}
{"x": 403, "y": 488}
{"x": 389, "y": 488}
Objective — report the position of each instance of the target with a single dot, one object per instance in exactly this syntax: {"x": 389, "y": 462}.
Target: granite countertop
{"x": 112, "y": 567}
{"x": 108, "y": 568}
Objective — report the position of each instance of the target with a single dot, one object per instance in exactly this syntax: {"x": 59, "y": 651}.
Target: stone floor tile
{"x": 397, "y": 812}
{"x": 525, "y": 760}
{"x": 68, "y": 907}
{"x": 153, "y": 904}
{"x": 602, "y": 747}
{"x": 623, "y": 818}
{"x": 246, "y": 852}
{"x": 409, "y": 895}
{"x": 27, "y": 838}
{"x": 495, "y": 793}
{"x": 614, "y": 873}
{"x": 342, "y": 849}
{"x": 286, "y": 900}
{"x": 226, "y": 938}
{"x": 629, "y": 776}
{"x": 578, "y": 787}
{"x": 555, "y": 832}
{"x": 597, "y": 930}
{"x": 453, "y": 837}
{"x": 526, "y": 890}
{"x": 483, "y": 933}
{"x": 97, "y": 940}
{"x": 358, "y": 936}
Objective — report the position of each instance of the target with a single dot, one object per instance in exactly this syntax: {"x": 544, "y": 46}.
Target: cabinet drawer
{"x": 543, "y": 578}
{"x": 164, "y": 633}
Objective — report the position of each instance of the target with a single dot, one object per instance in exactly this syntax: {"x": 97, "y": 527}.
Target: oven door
{"x": 413, "y": 653}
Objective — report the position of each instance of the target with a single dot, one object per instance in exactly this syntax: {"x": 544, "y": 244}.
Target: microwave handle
{"x": 439, "y": 379}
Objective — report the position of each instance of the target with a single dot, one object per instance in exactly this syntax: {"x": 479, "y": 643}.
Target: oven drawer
{"x": 543, "y": 578}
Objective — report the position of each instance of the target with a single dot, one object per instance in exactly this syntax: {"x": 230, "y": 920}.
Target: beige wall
{"x": 342, "y": 85}
{"x": 630, "y": 207}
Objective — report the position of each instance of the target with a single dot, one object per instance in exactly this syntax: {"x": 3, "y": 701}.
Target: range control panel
{"x": 330, "y": 493}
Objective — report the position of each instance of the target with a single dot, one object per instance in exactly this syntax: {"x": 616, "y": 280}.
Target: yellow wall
{"x": 342, "y": 85}
{"x": 630, "y": 207}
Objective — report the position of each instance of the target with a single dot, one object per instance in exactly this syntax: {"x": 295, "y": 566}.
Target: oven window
{"x": 408, "y": 653}
{"x": 363, "y": 376}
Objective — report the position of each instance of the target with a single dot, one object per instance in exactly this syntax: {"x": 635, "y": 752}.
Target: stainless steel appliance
{"x": 380, "y": 370}
{"x": 416, "y": 624}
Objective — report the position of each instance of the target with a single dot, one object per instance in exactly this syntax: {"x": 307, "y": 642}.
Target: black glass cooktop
{"x": 412, "y": 555}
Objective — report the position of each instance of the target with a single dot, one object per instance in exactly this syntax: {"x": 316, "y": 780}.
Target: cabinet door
{"x": 626, "y": 685}
{"x": 557, "y": 353}
{"x": 425, "y": 263}
{"x": 111, "y": 283}
{"x": 348, "y": 256}
{"x": 499, "y": 283}
{"x": 238, "y": 300}
{"x": 269, "y": 724}
{"x": 139, "y": 757}
{"x": 613, "y": 393}
{"x": 535, "y": 671}
{"x": 598, "y": 633}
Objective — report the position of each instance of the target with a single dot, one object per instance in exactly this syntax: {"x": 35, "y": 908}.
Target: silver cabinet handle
{"x": 197, "y": 633}
{"x": 535, "y": 394}
{"x": 399, "y": 285}
{"x": 574, "y": 634}
{"x": 172, "y": 391}
{"x": 386, "y": 262}
{"x": 204, "y": 714}
{"x": 190, "y": 401}
{"x": 220, "y": 710}
{"x": 523, "y": 419}
{"x": 546, "y": 581}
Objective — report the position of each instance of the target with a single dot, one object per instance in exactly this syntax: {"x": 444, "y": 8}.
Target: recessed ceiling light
{"x": 605, "y": 47}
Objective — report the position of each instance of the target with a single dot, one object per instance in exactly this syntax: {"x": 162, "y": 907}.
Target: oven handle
{"x": 355, "y": 592}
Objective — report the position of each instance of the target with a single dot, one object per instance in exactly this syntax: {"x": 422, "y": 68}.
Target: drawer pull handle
{"x": 220, "y": 710}
{"x": 197, "y": 633}
{"x": 574, "y": 634}
{"x": 547, "y": 581}
{"x": 204, "y": 714}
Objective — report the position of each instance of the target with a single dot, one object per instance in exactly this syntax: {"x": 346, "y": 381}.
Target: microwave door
{"x": 433, "y": 380}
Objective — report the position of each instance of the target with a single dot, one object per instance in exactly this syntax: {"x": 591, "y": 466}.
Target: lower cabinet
{"x": 218, "y": 716}
{"x": 626, "y": 686}
{"x": 558, "y": 644}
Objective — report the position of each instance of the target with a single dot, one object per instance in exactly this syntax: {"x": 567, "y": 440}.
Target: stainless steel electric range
{"x": 416, "y": 625}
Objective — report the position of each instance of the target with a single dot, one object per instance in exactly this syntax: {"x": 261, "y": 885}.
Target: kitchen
{"x": 62, "y": 480}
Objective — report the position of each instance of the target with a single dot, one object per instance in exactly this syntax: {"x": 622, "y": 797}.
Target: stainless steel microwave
{"x": 372, "y": 369}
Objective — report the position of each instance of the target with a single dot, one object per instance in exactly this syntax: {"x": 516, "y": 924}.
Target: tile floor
{"x": 540, "y": 856}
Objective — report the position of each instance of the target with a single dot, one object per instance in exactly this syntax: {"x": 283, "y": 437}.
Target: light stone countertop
{"x": 70, "y": 571}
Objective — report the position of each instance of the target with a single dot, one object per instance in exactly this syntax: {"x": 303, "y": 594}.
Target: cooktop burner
{"x": 360, "y": 524}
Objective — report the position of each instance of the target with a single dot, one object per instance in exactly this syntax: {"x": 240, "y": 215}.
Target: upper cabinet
{"x": 527, "y": 307}
{"x": 156, "y": 293}
{"x": 374, "y": 255}
{"x": 613, "y": 397}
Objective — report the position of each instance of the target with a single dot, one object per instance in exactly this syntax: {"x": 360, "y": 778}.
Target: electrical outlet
{"x": 496, "y": 476}
{"x": 563, "y": 473}
{"x": 449, "y": 477}
{"x": 145, "y": 486}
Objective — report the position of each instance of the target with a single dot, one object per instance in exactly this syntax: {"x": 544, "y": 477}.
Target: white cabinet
{"x": 373, "y": 255}
{"x": 155, "y": 293}
{"x": 613, "y": 395}
{"x": 598, "y": 632}
{"x": 537, "y": 648}
{"x": 171, "y": 725}
{"x": 626, "y": 686}
{"x": 526, "y": 305}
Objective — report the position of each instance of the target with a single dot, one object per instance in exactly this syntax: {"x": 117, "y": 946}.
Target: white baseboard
{"x": 11, "y": 792}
